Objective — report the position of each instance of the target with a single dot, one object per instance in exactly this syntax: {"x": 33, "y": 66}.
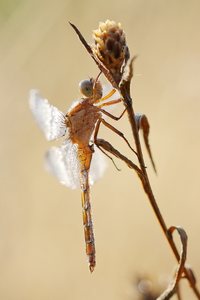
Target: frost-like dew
{"x": 48, "y": 117}
{"x": 98, "y": 166}
{"x": 63, "y": 163}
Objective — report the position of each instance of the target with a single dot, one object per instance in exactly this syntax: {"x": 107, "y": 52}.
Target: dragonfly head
{"x": 91, "y": 88}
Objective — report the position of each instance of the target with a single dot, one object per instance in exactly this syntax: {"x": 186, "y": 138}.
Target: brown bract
{"x": 111, "y": 48}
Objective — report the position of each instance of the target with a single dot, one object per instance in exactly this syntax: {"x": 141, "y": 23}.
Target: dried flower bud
{"x": 111, "y": 48}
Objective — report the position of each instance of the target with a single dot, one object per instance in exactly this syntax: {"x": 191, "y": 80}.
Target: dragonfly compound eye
{"x": 86, "y": 87}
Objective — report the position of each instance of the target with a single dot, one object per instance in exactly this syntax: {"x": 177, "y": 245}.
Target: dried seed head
{"x": 111, "y": 48}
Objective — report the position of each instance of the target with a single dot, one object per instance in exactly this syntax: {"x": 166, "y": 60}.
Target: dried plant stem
{"x": 178, "y": 293}
{"x": 124, "y": 88}
{"x": 146, "y": 183}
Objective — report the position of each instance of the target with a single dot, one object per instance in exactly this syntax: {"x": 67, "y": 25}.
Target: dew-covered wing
{"x": 50, "y": 120}
{"x": 98, "y": 165}
{"x": 62, "y": 162}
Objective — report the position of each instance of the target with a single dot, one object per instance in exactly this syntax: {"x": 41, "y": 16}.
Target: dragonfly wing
{"x": 49, "y": 118}
{"x": 98, "y": 166}
{"x": 62, "y": 162}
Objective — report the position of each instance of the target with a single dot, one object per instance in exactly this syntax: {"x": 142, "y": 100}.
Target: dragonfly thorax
{"x": 82, "y": 119}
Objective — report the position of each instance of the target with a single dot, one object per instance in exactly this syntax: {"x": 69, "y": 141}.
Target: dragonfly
{"x": 77, "y": 163}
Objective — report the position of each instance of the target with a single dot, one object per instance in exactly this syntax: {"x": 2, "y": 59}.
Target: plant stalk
{"x": 147, "y": 185}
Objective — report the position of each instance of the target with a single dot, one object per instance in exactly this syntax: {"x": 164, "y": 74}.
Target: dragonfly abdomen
{"x": 85, "y": 156}
{"x": 88, "y": 230}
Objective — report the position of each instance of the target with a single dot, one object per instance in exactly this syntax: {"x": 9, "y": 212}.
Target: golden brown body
{"x": 81, "y": 122}
{"x": 70, "y": 162}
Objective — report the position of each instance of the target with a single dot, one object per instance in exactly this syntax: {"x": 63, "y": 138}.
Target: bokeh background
{"x": 42, "y": 252}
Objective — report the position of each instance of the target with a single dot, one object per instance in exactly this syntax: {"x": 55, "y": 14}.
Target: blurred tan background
{"x": 42, "y": 251}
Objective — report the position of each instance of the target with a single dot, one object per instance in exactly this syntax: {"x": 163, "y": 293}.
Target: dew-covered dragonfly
{"x": 77, "y": 163}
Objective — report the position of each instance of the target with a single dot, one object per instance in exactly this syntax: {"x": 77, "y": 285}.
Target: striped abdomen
{"x": 85, "y": 156}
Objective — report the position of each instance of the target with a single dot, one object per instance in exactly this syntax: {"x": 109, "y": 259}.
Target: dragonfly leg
{"x": 112, "y": 92}
{"x": 118, "y": 133}
{"x": 109, "y": 114}
{"x": 96, "y": 79}
{"x": 96, "y": 143}
{"x": 110, "y": 102}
